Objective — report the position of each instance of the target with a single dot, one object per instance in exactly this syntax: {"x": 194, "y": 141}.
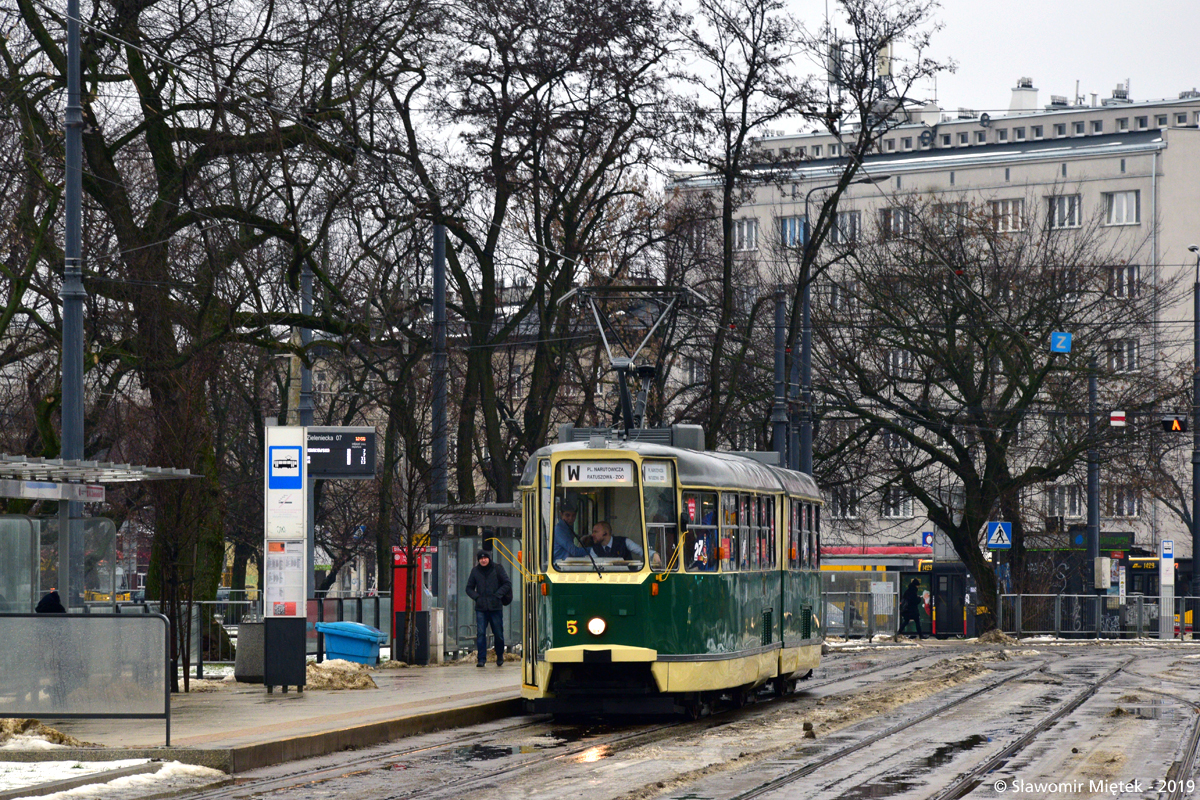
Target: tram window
{"x": 662, "y": 519}
{"x": 796, "y": 552}
{"x": 545, "y": 513}
{"x": 749, "y": 531}
{"x": 768, "y": 532}
{"x": 732, "y": 541}
{"x": 589, "y": 493}
{"x": 701, "y": 551}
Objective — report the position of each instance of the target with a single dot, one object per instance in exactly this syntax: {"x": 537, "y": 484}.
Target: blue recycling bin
{"x": 352, "y": 641}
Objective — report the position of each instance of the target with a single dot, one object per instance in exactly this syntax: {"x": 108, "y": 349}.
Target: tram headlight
{"x": 596, "y": 626}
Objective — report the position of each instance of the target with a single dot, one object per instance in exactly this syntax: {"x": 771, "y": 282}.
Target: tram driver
{"x": 605, "y": 545}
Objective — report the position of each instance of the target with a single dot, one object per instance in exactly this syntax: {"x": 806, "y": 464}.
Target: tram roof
{"x": 696, "y": 468}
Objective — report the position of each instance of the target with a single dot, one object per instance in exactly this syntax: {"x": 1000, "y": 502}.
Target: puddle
{"x": 890, "y": 785}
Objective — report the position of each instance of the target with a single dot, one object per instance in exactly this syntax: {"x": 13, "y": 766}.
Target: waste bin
{"x": 248, "y": 662}
{"x": 352, "y": 641}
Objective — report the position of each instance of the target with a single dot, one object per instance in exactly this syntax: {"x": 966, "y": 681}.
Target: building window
{"x": 1008, "y": 215}
{"x": 948, "y": 218}
{"x": 895, "y": 223}
{"x": 1018, "y": 133}
{"x": 816, "y": 151}
{"x": 1143, "y": 123}
{"x": 1123, "y": 124}
{"x": 899, "y": 364}
{"x": 1122, "y": 166}
{"x": 1007, "y": 174}
{"x": 946, "y": 140}
{"x": 1121, "y": 208}
{"x": 1181, "y": 119}
{"x": 890, "y": 144}
{"x": 1121, "y": 501}
{"x": 1080, "y": 128}
{"x": 1002, "y": 135}
{"x": 1160, "y": 121}
{"x": 1064, "y": 211}
{"x": 1035, "y": 131}
{"x": 1124, "y": 280}
{"x": 843, "y": 503}
{"x": 791, "y": 231}
{"x": 834, "y": 150}
{"x": 952, "y": 178}
{"x": 1070, "y": 287}
{"x": 696, "y": 369}
{"x": 745, "y": 234}
{"x": 963, "y": 138}
{"x": 895, "y": 441}
{"x": 843, "y": 297}
{"x": 1060, "y": 129}
{"x": 1097, "y": 126}
{"x": 1065, "y": 501}
{"x": 906, "y": 143}
{"x": 980, "y": 137}
{"x": 896, "y": 504}
{"x": 1123, "y": 355}
{"x": 845, "y": 227}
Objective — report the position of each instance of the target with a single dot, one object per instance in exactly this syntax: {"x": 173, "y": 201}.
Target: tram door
{"x": 531, "y": 557}
{"x": 949, "y": 592}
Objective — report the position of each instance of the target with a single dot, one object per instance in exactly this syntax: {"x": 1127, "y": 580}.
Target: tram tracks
{"x": 606, "y": 743}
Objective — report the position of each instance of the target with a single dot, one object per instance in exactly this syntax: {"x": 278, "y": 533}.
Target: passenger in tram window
{"x": 564, "y": 533}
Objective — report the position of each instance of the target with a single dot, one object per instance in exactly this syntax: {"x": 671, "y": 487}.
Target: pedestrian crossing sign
{"x": 999, "y": 535}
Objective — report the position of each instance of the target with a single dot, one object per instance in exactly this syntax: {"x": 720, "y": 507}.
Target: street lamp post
{"x": 801, "y": 452}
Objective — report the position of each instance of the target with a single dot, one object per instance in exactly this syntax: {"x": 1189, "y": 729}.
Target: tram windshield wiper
{"x": 591, "y": 557}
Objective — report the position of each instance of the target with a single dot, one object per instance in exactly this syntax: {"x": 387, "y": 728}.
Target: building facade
{"x": 1131, "y": 167}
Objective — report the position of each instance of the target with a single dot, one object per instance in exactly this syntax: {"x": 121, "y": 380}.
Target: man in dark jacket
{"x": 50, "y": 604}
{"x": 491, "y": 590}
{"x": 910, "y": 608}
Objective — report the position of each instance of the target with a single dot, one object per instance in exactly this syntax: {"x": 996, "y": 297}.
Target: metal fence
{"x": 1095, "y": 616}
{"x": 860, "y": 614}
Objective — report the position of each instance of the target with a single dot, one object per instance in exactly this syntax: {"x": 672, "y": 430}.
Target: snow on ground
{"x": 18, "y": 775}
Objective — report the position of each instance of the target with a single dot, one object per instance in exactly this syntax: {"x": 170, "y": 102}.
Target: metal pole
{"x": 305, "y": 409}
{"x": 1093, "y": 479}
{"x": 806, "y": 423}
{"x": 779, "y": 409}
{"x": 1195, "y": 437}
{"x": 73, "y": 295}
{"x": 444, "y": 562}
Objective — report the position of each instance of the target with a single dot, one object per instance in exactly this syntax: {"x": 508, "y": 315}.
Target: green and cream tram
{"x": 707, "y": 587}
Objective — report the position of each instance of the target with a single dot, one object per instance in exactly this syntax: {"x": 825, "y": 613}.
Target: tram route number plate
{"x": 594, "y": 472}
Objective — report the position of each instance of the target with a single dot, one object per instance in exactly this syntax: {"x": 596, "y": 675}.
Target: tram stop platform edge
{"x": 236, "y": 727}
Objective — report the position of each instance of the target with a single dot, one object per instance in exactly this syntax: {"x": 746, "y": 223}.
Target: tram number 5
{"x": 572, "y": 627}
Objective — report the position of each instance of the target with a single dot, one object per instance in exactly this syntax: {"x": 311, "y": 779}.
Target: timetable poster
{"x": 285, "y": 574}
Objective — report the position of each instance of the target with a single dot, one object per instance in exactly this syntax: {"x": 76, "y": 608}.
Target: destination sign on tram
{"x": 597, "y": 472}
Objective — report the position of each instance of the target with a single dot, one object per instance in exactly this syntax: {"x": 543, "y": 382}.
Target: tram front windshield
{"x": 598, "y": 518}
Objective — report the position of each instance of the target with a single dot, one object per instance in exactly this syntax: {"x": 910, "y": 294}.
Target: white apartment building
{"x": 1135, "y": 164}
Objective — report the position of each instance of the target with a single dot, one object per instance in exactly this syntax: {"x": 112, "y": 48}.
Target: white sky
{"x": 1099, "y": 43}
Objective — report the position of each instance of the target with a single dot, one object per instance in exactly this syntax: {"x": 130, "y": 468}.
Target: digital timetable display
{"x": 341, "y": 452}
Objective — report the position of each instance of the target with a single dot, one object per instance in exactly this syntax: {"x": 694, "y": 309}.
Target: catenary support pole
{"x": 1195, "y": 592}
{"x": 305, "y": 409}
{"x": 779, "y": 424}
{"x": 71, "y": 536}
{"x": 1093, "y": 475}
{"x": 444, "y": 560}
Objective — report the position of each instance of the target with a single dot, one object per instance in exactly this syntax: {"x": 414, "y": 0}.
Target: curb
{"x": 234, "y": 760}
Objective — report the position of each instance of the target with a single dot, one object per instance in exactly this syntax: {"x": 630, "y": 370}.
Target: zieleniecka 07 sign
{"x": 346, "y": 452}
